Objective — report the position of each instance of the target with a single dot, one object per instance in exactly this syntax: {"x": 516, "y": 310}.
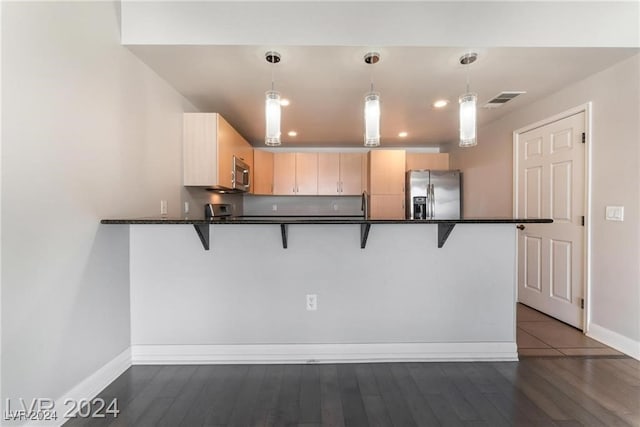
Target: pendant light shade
{"x": 372, "y": 120}
{"x": 272, "y": 106}
{"x": 372, "y": 108}
{"x": 468, "y": 124}
{"x": 468, "y": 108}
{"x": 272, "y": 118}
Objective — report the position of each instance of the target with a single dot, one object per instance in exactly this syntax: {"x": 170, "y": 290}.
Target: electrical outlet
{"x": 335, "y": 207}
{"x": 274, "y": 207}
{"x": 312, "y": 302}
{"x": 163, "y": 207}
{"x": 186, "y": 207}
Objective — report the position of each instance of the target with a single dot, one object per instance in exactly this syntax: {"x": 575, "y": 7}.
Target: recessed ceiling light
{"x": 284, "y": 102}
{"x": 292, "y": 133}
{"x": 403, "y": 134}
{"x": 441, "y": 103}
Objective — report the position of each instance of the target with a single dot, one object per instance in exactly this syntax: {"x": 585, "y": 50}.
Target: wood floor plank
{"x": 194, "y": 388}
{"x": 510, "y": 371}
{"x": 352, "y": 404}
{"x": 576, "y": 404}
{"x": 397, "y": 407}
{"x": 420, "y": 406}
{"x": 610, "y": 392}
{"x": 247, "y": 397}
{"x": 330, "y": 403}
{"x": 310, "y": 395}
{"x": 221, "y": 399}
{"x": 483, "y": 406}
{"x": 377, "y": 415}
{"x": 288, "y": 406}
{"x": 366, "y": 380}
{"x": 264, "y": 413}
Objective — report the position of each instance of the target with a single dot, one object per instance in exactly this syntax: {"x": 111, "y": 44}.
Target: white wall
{"x": 88, "y": 132}
{"x": 248, "y": 290}
{"x": 615, "y": 93}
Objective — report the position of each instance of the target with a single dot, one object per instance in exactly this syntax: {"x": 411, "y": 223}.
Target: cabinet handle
{"x": 337, "y": 187}
{"x": 341, "y": 189}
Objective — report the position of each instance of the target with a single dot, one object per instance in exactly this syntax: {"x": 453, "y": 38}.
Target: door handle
{"x": 520, "y": 227}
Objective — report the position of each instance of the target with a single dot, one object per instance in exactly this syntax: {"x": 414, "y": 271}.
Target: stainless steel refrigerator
{"x": 433, "y": 194}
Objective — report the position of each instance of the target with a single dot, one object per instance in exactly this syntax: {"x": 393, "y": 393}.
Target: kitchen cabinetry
{"x": 431, "y": 161}
{"x": 295, "y": 173}
{"x": 386, "y": 172}
{"x": 340, "y": 174}
{"x": 209, "y": 144}
{"x": 262, "y": 172}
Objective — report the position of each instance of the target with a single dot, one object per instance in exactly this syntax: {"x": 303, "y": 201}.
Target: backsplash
{"x": 198, "y": 197}
{"x": 302, "y": 205}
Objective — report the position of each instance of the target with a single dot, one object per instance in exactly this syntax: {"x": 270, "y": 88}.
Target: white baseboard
{"x": 615, "y": 340}
{"x": 90, "y": 386}
{"x": 321, "y": 353}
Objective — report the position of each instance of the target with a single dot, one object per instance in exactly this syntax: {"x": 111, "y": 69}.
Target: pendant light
{"x": 272, "y": 107}
{"x": 372, "y": 109}
{"x": 468, "y": 108}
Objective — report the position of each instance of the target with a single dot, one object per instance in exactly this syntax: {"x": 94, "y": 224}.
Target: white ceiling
{"x": 326, "y": 86}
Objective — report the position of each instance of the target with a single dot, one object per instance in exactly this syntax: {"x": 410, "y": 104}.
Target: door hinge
{"x": 582, "y": 220}
{"x": 584, "y": 138}
{"x": 582, "y": 303}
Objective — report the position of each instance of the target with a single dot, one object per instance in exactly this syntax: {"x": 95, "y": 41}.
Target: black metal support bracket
{"x": 364, "y": 234}
{"x": 284, "y": 232}
{"x": 444, "y": 229}
{"x": 203, "y": 234}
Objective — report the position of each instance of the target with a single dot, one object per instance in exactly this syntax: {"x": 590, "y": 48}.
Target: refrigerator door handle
{"x": 432, "y": 199}
{"x": 427, "y": 206}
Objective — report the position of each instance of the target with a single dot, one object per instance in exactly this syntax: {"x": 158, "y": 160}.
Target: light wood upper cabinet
{"x": 329, "y": 174}
{"x": 209, "y": 144}
{"x": 386, "y": 171}
{"x": 351, "y": 174}
{"x": 340, "y": 174}
{"x": 284, "y": 173}
{"x": 306, "y": 173}
{"x": 262, "y": 172}
{"x": 435, "y": 161}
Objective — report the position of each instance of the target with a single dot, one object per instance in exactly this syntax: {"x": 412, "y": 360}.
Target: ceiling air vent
{"x": 502, "y": 98}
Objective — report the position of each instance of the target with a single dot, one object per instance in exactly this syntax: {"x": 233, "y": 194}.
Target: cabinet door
{"x": 328, "y": 174}
{"x": 284, "y": 173}
{"x": 306, "y": 173}
{"x": 262, "y": 172}
{"x": 386, "y": 206}
{"x": 200, "y": 153}
{"x": 434, "y": 161}
{"x": 386, "y": 171}
{"x": 351, "y": 174}
{"x": 226, "y": 148}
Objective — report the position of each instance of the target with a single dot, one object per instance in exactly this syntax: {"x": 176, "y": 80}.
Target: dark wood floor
{"x": 596, "y": 391}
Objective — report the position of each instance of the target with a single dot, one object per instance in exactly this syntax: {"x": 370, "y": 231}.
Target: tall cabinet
{"x": 386, "y": 181}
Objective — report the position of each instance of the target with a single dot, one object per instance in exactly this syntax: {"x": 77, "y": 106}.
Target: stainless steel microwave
{"x": 241, "y": 175}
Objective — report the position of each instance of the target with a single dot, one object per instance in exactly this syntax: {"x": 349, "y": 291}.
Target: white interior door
{"x": 550, "y": 172}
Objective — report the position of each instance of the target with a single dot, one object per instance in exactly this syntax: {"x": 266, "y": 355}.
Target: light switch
{"x": 614, "y": 213}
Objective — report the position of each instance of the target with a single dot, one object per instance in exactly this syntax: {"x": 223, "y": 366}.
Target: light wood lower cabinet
{"x": 386, "y": 206}
{"x": 434, "y": 161}
{"x": 262, "y": 172}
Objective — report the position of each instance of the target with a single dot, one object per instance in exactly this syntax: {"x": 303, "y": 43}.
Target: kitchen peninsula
{"x": 401, "y": 298}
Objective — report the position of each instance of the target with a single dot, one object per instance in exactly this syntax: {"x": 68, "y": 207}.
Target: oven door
{"x": 241, "y": 175}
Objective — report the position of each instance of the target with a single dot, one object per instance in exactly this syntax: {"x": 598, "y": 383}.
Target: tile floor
{"x": 540, "y": 335}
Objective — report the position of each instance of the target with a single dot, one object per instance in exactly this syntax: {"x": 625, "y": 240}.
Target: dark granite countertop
{"x": 319, "y": 220}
